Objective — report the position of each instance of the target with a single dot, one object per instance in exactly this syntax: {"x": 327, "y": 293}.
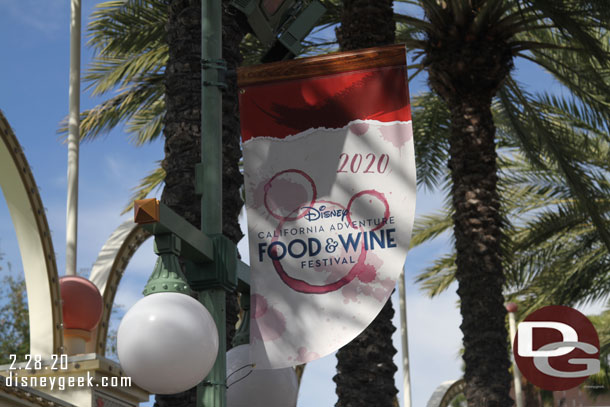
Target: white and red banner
{"x": 330, "y": 194}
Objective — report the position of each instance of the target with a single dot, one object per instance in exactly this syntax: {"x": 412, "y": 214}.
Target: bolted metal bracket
{"x": 220, "y": 65}
{"x": 222, "y": 273}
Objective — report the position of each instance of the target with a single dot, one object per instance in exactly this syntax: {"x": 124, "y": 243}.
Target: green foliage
{"x": 554, "y": 150}
{"x": 459, "y": 401}
{"x": 131, "y": 52}
{"x": 599, "y": 384}
{"x": 431, "y": 120}
{"x": 547, "y": 398}
{"x": 14, "y": 319}
{"x": 554, "y": 170}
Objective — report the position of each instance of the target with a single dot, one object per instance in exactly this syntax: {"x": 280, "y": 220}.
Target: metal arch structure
{"x": 35, "y": 245}
{"x": 38, "y": 257}
{"x": 108, "y": 270}
{"x": 446, "y": 392}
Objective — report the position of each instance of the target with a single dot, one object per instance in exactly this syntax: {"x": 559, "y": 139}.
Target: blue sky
{"x": 34, "y": 49}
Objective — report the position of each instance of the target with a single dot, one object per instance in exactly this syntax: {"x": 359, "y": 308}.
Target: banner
{"x": 329, "y": 174}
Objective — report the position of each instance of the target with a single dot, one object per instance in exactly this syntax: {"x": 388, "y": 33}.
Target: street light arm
{"x": 158, "y": 218}
{"x": 196, "y": 246}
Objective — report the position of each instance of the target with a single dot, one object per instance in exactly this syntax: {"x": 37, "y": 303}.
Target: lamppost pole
{"x": 209, "y": 172}
{"x": 212, "y": 392}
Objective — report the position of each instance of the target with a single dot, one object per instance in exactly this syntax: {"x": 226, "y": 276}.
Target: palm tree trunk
{"x": 366, "y": 23}
{"x": 183, "y": 109}
{"x": 365, "y": 366}
{"x": 183, "y": 137}
{"x": 466, "y": 66}
{"x": 478, "y": 235}
{"x": 182, "y": 130}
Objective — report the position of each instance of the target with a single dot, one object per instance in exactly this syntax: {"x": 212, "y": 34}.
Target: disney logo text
{"x": 315, "y": 214}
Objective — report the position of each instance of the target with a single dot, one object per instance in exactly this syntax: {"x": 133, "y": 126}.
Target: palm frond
{"x": 547, "y": 143}
{"x": 132, "y": 103}
{"x": 428, "y": 227}
{"x": 438, "y": 277}
{"x": 430, "y": 134}
{"x": 576, "y": 22}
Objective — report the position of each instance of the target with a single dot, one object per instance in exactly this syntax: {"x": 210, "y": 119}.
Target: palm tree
{"x": 365, "y": 366}
{"x": 182, "y": 128}
{"x": 555, "y": 254}
{"x": 469, "y": 47}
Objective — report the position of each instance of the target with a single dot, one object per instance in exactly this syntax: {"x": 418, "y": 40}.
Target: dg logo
{"x": 556, "y": 348}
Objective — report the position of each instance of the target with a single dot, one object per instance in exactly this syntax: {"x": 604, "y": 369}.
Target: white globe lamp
{"x": 248, "y": 386}
{"x": 167, "y": 342}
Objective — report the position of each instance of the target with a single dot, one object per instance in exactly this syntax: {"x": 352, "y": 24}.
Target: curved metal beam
{"x": 446, "y": 392}
{"x": 35, "y": 245}
{"x": 108, "y": 269}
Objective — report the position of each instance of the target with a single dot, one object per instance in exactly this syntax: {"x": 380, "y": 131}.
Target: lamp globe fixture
{"x": 167, "y": 342}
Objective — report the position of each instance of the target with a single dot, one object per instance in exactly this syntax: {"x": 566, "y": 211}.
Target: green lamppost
{"x": 288, "y": 25}
{"x": 211, "y": 266}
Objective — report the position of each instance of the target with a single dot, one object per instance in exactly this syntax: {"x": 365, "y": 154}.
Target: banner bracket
{"x": 220, "y": 65}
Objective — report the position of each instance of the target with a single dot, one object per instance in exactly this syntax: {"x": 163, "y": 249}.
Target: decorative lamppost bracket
{"x": 210, "y": 261}
{"x": 221, "y": 273}
{"x": 167, "y": 275}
